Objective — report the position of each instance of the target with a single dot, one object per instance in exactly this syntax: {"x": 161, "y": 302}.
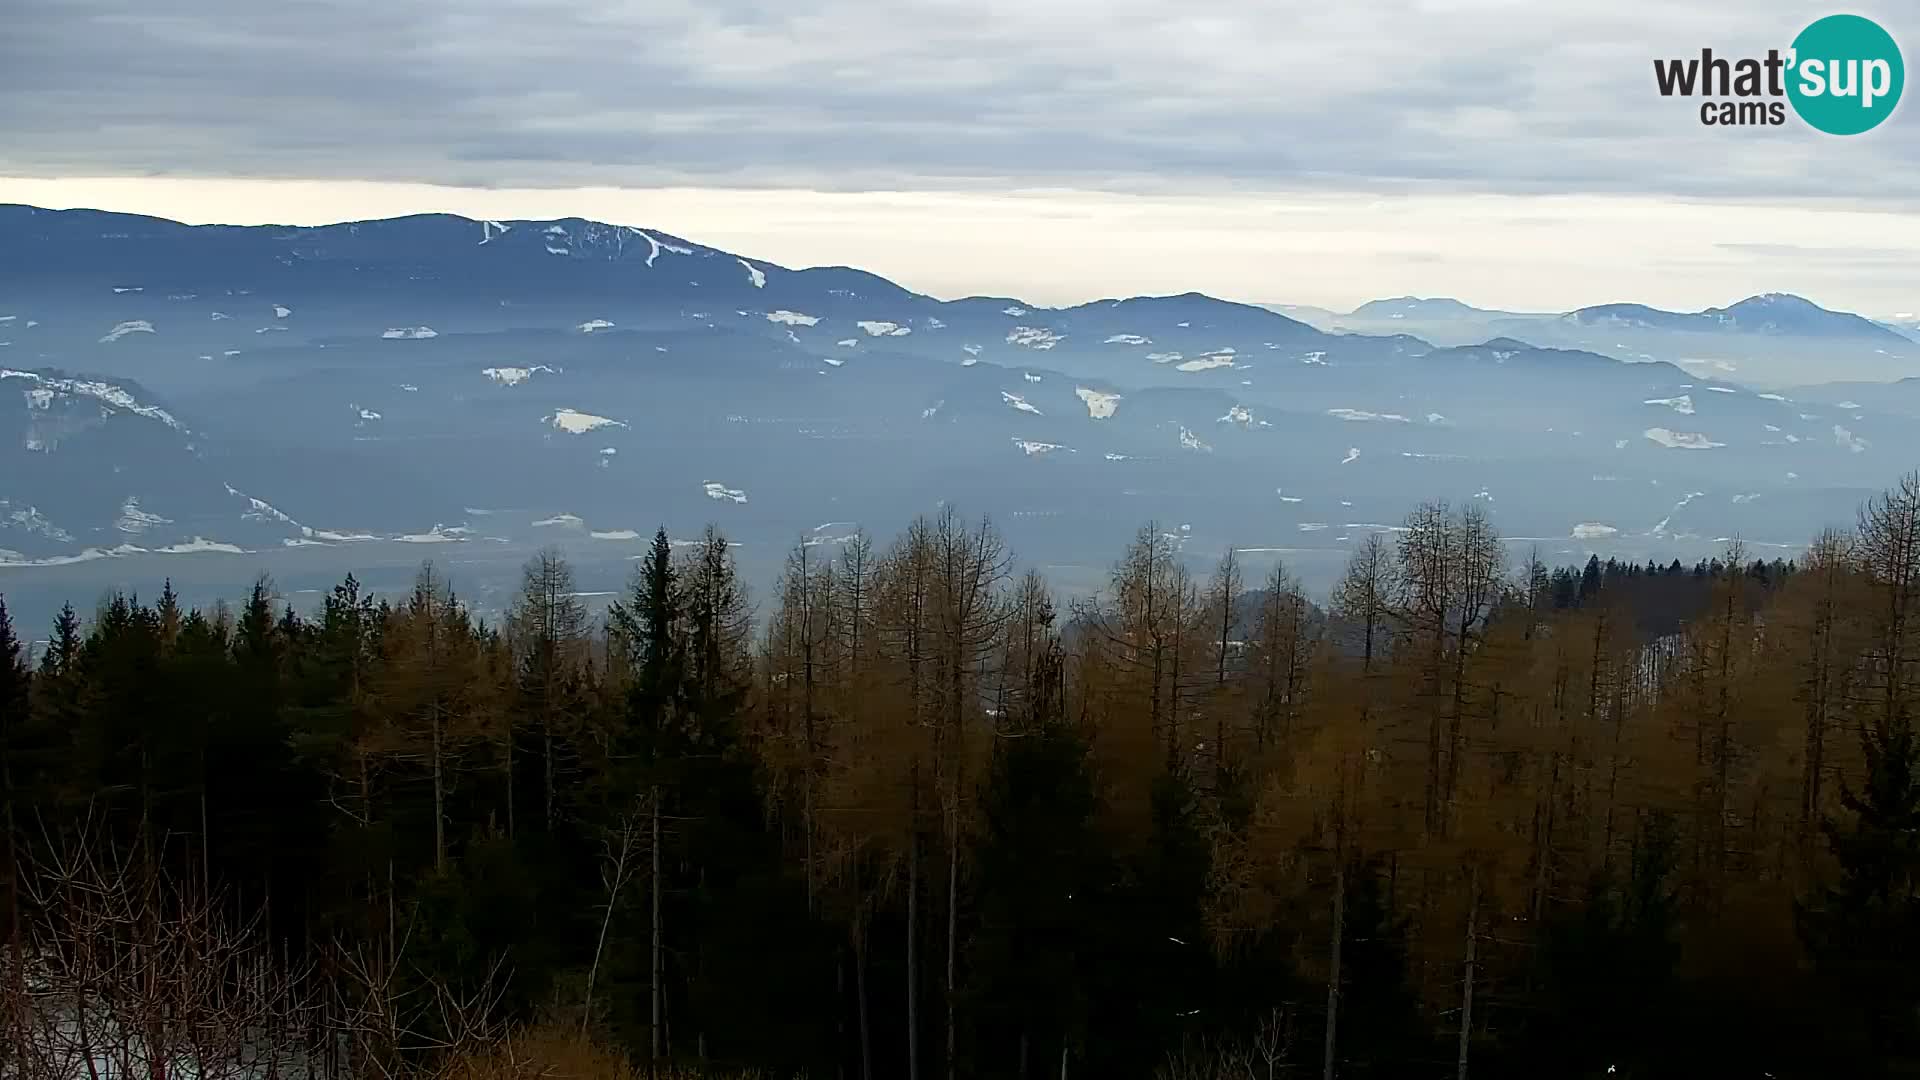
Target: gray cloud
{"x": 1470, "y": 95}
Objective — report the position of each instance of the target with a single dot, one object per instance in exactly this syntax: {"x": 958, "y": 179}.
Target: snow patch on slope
{"x": 1682, "y": 404}
{"x": 514, "y": 376}
{"x": 103, "y": 391}
{"x": 120, "y": 330}
{"x": 1034, "y": 337}
{"x": 1100, "y": 405}
{"x": 1680, "y": 440}
{"x": 1019, "y": 402}
{"x": 574, "y": 422}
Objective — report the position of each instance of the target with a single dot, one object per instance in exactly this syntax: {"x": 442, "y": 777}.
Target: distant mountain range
{"x": 298, "y": 397}
{"x": 1771, "y": 339}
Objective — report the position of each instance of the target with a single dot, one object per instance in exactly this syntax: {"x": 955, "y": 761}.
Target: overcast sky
{"x": 1509, "y": 152}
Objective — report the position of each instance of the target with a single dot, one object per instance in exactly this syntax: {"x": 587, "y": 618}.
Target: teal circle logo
{"x": 1845, "y": 74}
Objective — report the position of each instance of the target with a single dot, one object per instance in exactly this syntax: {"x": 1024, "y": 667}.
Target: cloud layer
{"x": 1440, "y": 95}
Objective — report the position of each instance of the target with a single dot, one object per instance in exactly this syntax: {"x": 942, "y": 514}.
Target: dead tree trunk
{"x": 1466, "y": 993}
{"x": 1333, "y": 973}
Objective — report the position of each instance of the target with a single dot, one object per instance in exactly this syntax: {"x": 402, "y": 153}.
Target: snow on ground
{"x": 722, "y": 493}
{"x": 1100, "y": 405}
{"x": 1031, "y": 377}
{"x": 552, "y": 250}
{"x": 1031, "y": 448}
{"x": 928, "y": 412}
{"x": 135, "y": 520}
{"x": 1722, "y": 390}
{"x": 107, "y": 392}
{"x": 218, "y": 316}
{"x": 1775, "y": 397}
{"x": 1190, "y": 441}
{"x": 1239, "y": 414}
{"x": 366, "y": 414}
{"x": 1016, "y": 311}
{"x": 129, "y": 288}
{"x": 120, "y": 330}
{"x": 1034, "y": 337}
{"x": 754, "y": 274}
{"x": 1285, "y": 498}
{"x": 591, "y": 325}
{"x": 1020, "y": 403}
{"x": 1682, "y": 404}
{"x": 560, "y": 521}
{"x": 281, "y": 311}
{"x": 201, "y": 544}
{"x": 261, "y": 510}
{"x": 879, "y": 328}
{"x": 514, "y": 376}
{"x": 274, "y": 330}
{"x": 33, "y": 521}
{"x": 1847, "y": 440}
{"x": 1128, "y": 339}
{"x": 1847, "y": 405}
{"x": 1208, "y": 361}
{"x": 435, "y": 535}
{"x": 1317, "y": 357}
{"x": 1593, "y": 530}
{"x": 614, "y": 534}
{"x": 1680, "y": 440}
{"x": 1660, "y": 527}
{"x": 1364, "y": 415}
{"x": 575, "y": 422}
{"x": 792, "y": 318}
{"x": 1353, "y": 455}
{"x": 848, "y": 343}
{"x": 832, "y": 361}
{"x": 409, "y": 333}
{"x": 14, "y": 558}
{"x": 1164, "y": 357}
{"x": 1119, "y": 457}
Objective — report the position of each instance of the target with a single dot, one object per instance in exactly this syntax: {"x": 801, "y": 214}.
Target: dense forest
{"x": 911, "y": 816}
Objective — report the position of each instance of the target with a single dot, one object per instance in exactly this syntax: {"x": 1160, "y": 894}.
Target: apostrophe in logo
{"x": 1846, "y": 74}
{"x": 1842, "y": 75}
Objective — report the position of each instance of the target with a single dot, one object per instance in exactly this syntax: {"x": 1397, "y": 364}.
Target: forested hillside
{"x": 911, "y": 817}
